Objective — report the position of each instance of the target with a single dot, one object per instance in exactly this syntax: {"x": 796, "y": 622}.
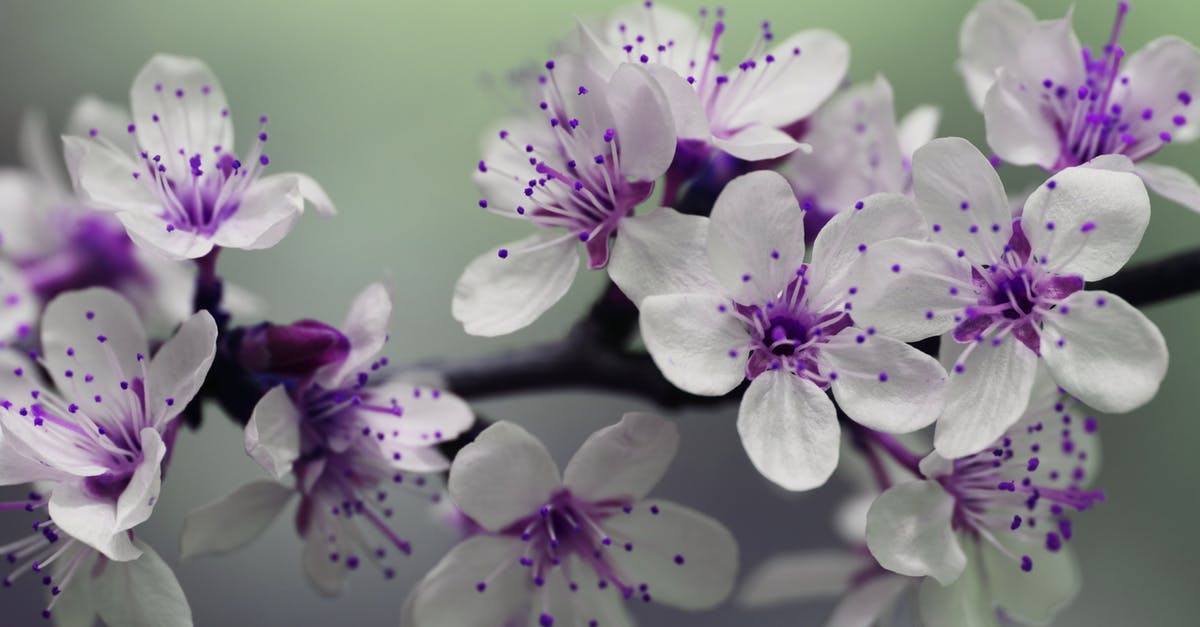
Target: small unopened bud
{"x": 292, "y": 350}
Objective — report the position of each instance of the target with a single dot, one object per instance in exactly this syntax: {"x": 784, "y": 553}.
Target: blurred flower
{"x": 743, "y": 112}
{"x": 1048, "y": 101}
{"x": 96, "y": 441}
{"x": 343, "y": 433}
{"x": 181, "y": 190}
{"x": 1012, "y": 290}
{"x": 990, "y": 531}
{"x": 740, "y": 303}
{"x": 581, "y": 166}
{"x": 568, "y": 550}
{"x": 858, "y": 149}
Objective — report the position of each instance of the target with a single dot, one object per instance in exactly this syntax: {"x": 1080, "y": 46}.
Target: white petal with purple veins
{"x": 987, "y": 393}
{"x": 645, "y": 127}
{"x": 884, "y": 383}
{"x": 807, "y": 68}
{"x": 137, "y": 500}
{"x": 625, "y": 460}
{"x": 192, "y": 113}
{"x": 662, "y": 252}
{"x": 696, "y": 341}
{"x": 91, "y": 521}
{"x": 756, "y": 236}
{"x": 267, "y": 212}
{"x": 1017, "y": 129}
{"x": 179, "y": 368}
{"x": 962, "y": 198}
{"x": 92, "y": 340}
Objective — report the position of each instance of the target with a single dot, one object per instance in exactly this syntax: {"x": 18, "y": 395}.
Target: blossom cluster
{"x": 868, "y": 294}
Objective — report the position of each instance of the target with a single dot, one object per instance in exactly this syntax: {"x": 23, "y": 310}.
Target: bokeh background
{"x": 384, "y": 103}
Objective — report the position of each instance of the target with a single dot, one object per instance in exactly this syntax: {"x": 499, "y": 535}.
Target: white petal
{"x": 965, "y": 603}
{"x": 909, "y": 532}
{"x": 1089, "y": 223}
{"x": 796, "y": 84}
{"x": 1034, "y": 597}
{"x": 104, "y": 177}
{"x": 193, "y": 113}
{"x": 417, "y": 416}
{"x": 918, "y": 128}
{"x": 757, "y": 142}
{"x": 150, "y": 232}
{"x": 989, "y": 38}
{"x": 265, "y": 215}
{"x": 910, "y": 290}
{"x": 137, "y": 500}
{"x": 110, "y": 121}
{"x": 366, "y": 327}
{"x": 1104, "y": 351}
{"x": 662, "y": 252}
{"x": 313, "y": 193}
{"x": 325, "y": 575}
{"x": 986, "y": 397}
{"x": 1172, "y": 183}
{"x": 883, "y": 383}
{"x": 504, "y": 475}
{"x": 1157, "y": 74}
{"x": 496, "y": 296}
{"x": 688, "y": 559}
{"x": 180, "y": 366}
{"x": 93, "y": 332}
{"x": 18, "y": 305}
{"x": 794, "y": 577}
{"x": 840, "y": 242}
{"x": 1018, "y": 129}
{"x": 645, "y": 128}
{"x": 90, "y": 521}
{"x": 1051, "y": 50}
{"x": 949, "y": 172}
{"x": 234, "y": 521}
{"x": 696, "y": 341}
{"x": 789, "y": 429}
{"x": 141, "y": 593}
{"x": 756, "y": 236}
{"x": 18, "y": 466}
{"x": 625, "y": 460}
{"x": 272, "y": 436}
{"x": 691, "y": 122}
{"x": 448, "y": 594}
{"x": 76, "y": 608}
{"x": 868, "y": 604}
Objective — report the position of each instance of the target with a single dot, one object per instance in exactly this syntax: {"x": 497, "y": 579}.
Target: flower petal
{"x": 691, "y": 122}
{"x": 1087, "y": 221}
{"x": 91, "y": 521}
{"x": 1158, "y": 74}
{"x": 988, "y": 391}
{"x": 909, "y": 532}
{"x": 758, "y": 142}
{"x": 644, "y": 124}
{"x": 504, "y": 475}
{"x": 957, "y": 189}
{"x": 917, "y": 128}
{"x": 193, "y": 114}
{"x": 696, "y": 341}
{"x": 989, "y": 38}
{"x": 413, "y": 415}
{"x": 625, "y": 460}
{"x": 809, "y": 66}
{"x": 1105, "y": 352}
{"x": 791, "y": 577}
{"x": 869, "y": 603}
{"x": 662, "y": 252}
{"x": 883, "y": 383}
{"x": 151, "y": 233}
{"x": 688, "y": 559}
{"x": 1034, "y": 597}
{"x": 842, "y": 240}
{"x": 266, "y": 214}
{"x": 448, "y": 595}
{"x": 1051, "y": 50}
{"x": 756, "y": 236}
{"x": 93, "y": 332}
{"x": 105, "y": 178}
{"x": 1018, "y": 130}
{"x": 965, "y": 603}
{"x": 137, "y": 500}
{"x": 366, "y": 327}
{"x": 110, "y": 121}
{"x": 180, "y": 367}
{"x": 272, "y": 436}
{"x": 789, "y": 429}
{"x": 498, "y": 295}
{"x": 910, "y": 290}
{"x": 141, "y": 593}
{"x": 1171, "y": 183}
{"x": 234, "y": 521}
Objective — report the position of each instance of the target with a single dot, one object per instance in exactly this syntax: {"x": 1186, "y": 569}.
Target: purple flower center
{"x": 786, "y": 334}
{"x": 96, "y": 253}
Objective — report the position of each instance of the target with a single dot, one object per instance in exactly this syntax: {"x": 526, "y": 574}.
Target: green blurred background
{"x": 384, "y": 102}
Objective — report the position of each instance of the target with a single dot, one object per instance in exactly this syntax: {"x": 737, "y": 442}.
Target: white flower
{"x": 181, "y": 191}
{"x": 1048, "y": 101}
{"x": 859, "y": 149}
{"x": 731, "y": 298}
{"x": 576, "y": 170}
{"x": 743, "y": 112}
{"x": 1012, "y": 289}
{"x": 344, "y": 434}
{"x": 570, "y": 549}
{"x": 97, "y": 438}
{"x": 990, "y": 531}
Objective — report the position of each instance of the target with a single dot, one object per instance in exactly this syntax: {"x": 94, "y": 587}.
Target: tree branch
{"x": 1155, "y": 281}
